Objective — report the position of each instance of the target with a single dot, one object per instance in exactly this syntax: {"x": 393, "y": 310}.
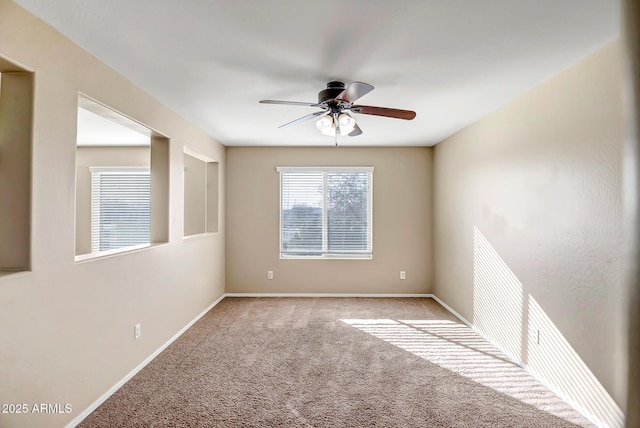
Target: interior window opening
{"x": 16, "y": 113}
{"x": 121, "y": 183}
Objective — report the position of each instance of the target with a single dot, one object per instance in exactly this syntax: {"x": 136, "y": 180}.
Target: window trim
{"x": 366, "y": 255}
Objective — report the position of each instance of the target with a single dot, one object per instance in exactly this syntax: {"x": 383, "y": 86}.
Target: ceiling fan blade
{"x": 289, "y": 103}
{"x": 356, "y": 131}
{"x": 354, "y": 91}
{"x": 383, "y": 111}
{"x": 304, "y": 118}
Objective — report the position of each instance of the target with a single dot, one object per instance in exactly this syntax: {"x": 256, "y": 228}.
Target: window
{"x": 325, "y": 212}
{"x": 120, "y": 208}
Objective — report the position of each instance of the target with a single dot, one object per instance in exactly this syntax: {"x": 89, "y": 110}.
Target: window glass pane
{"x": 301, "y": 213}
{"x": 347, "y": 211}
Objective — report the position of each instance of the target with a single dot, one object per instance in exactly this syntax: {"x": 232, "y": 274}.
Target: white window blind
{"x": 120, "y": 208}
{"x": 325, "y": 212}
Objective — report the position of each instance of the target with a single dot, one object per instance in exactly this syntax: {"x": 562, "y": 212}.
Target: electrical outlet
{"x": 403, "y": 275}
{"x": 269, "y": 274}
{"x": 136, "y": 331}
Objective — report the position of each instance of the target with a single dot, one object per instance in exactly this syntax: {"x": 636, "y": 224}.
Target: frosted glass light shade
{"x": 326, "y": 126}
{"x": 347, "y": 123}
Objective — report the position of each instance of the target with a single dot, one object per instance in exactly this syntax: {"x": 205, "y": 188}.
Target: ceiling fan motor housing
{"x": 333, "y": 90}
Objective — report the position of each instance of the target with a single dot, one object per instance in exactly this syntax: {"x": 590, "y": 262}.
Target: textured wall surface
{"x": 528, "y": 230}
{"x": 401, "y": 223}
{"x": 66, "y": 328}
{"x": 631, "y": 43}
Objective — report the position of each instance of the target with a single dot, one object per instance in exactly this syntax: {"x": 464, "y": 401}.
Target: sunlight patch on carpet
{"x": 461, "y": 350}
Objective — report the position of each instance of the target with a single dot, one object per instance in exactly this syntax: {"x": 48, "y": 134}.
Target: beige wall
{"x": 66, "y": 328}
{"x": 631, "y": 41}
{"x": 539, "y": 180}
{"x": 16, "y": 114}
{"x": 195, "y": 195}
{"x": 87, "y": 157}
{"x": 401, "y": 223}
{"x": 528, "y": 230}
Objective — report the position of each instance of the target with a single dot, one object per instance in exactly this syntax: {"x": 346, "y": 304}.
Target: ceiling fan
{"x": 335, "y": 102}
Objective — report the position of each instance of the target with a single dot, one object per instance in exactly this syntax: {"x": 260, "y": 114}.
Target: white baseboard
{"x": 124, "y": 380}
{"x": 484, "y": 336}
{"x": 450, "y": 309}
{"x": 323, "y": 295}
{"x": 86, "y": 412}
{"x": 140, "y": 366}
{"x": 533, "y": 373}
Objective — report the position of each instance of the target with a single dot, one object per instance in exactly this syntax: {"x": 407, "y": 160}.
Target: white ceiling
{"x": 97, "y": 130}
{"x": 451, "y": 61}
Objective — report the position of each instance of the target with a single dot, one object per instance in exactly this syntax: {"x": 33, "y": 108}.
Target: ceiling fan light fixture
{"x": 335, "y": 101}
{"x": 347, "y": 124}
{"x": 326, "y": 126}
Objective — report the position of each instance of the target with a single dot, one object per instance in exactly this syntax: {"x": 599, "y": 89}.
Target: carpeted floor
{"x": 332, "y": 362}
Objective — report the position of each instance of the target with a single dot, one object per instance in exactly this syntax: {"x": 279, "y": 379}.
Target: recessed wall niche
{"x": 122, "y": 183}
{"x": 16, "y": 113}
{"x": 201, "y": 182}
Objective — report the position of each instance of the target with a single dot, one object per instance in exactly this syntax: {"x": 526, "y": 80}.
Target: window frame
{"x": 367, "y": 254}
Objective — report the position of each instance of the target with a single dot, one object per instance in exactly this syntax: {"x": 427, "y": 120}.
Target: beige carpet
{"x": 332, "y": 362}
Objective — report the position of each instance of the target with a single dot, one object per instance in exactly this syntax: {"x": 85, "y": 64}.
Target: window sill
{"x": 115, "y": 252}
{"x": 368, "y": 257}
{"x": 12, "y": 273}
{"x": 198, "y": 235}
